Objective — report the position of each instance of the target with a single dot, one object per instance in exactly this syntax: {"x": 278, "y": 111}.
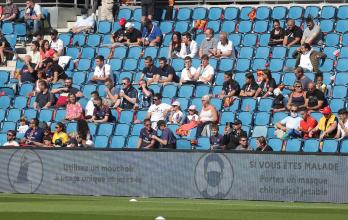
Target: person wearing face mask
{"x": 84, "y": 24}
{"x": 288, "y": 127}
{"x": 209, "y": 44}
{"x": 307, "y": 58}
{"x": 10, "y": 12}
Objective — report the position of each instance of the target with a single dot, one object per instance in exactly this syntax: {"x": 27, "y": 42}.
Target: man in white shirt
{"x": 289, "y": 126}
{"x": 56, "y": 43}
{"x": 205, "y": 72}
{"x": 102, "y": 71}
{"x": 342, "y": 130}
{"x": 90, "y": 105}
{"x": 188, "y": 47}
{"x": 11, "y": 136}
{"x": 85, "y": 23}
{"x": 33, "y": 15}
{"x": 158, "y": 110}
{"x": 308, "y": 59}
{"x": 188, "y": 73}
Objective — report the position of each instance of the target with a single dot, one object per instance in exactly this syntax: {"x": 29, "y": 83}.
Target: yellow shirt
{"x": 61, "y": 135}
{"x": 322, "y": 121}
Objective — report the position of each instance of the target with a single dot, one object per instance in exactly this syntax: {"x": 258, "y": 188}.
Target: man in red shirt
{"x": 307, "y": 124}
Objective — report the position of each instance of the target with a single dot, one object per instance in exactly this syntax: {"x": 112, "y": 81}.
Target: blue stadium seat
{"x": 341, "y": 79}
{"x": 245, "y": 117}
{"x": 259, "y": 64}
{"x": 73, "y": 52}
{"x": 228, "y": 26}
{"x": 261, "y": 52}
{"x": 332, "y": 39}
{"x": 136, "y": 14}
{"x": 65, "y": 37}
{"x": 245, "y": 27}
{"x": 120, "y": 52}
{"x": 106, "y": 129}
{"x": 295, "y": 12}
{"x": 106, "y": 39}
{"x": 263, "y": 39}
{"x": 270, "y": 132}
{"x": 342, "y": 26}
{"x": 227, "y": 116}
{"x": 20, "y": 102}
{"x": 163, "y": 52}
{"x": 311, "y": 145}
{"x": 122, "y": 75}
{"x": 262, "y": 118}
{"x": 202, "y": 90}
{"x": 60, "y": 115}
{"x": 330, "y": 146}
{"x": 8, "y": 125}
{"x": 327, "y": 26}
{"x": 344, "y": 146}
{"x": 169, "y": 91}
{"x": 246, "y": 52}
{"x": 118, "y": 142}
{"x": 136, "y": 129}
{"x": 79, "y": 40}
{"x": 312, "y": 11}
{"x": 329, "y": 51}
{"x": 101, "y": 141}
{"x": 199, "y": 38}
{"x": 88, "y": 53}
{"x": 87, "y": 89}
{"x": 126, "y": 117}
{"x": 339, "y": 92}
{"x": 3, "y": 138}
{"x": 231, "y": 13}
{"x": 203, "y": 143}
{"x": 219, "y": 79}
{"x": 252, "y": 143}
{"x": 235, "y": 38}
{"x": 276, "y": 65}
{"x": 328, "y": 12}
{"x": 249, "y": 40}
{"x": 155, "y": 87}
{"x": 263, "y": 13}
{"x": 343, "y": 52}
{"x": 45, "y": 115}
{"x": 279, "y": 12}
{"x": 2, "y": 114}
{"x": 21, "y": 30}
{"x": 116, "y": 64}
{"x": 133, "y": 52}
{"x": 92, "y": 128}
{"x": 342, "y": 12}
{"x": 5, "y": 102}
{"x": 265, "y": 104}
{"x": 129, "y": 64}
{"x": 71, "y": 127}
{"x": 186, "y": 91}
{"x": 279, "y": 52}
{"x": 79, "y": 78}
{"x": 261, "y": 26}
{"x": 215, "y": 13}
{"x": 337, "y": 104}
{"x": 166, "y": 27}
{"x": 259, "y": 131}
{"x": 184, "y": 14}
{"x": 183, "y": 144}
{"x": 327, "y": 66}
{"x": 7, "y": 28}
{"x": 152, "y": 52}
{"x": 30, "y": 113}
{"x": 14, "y": 114}
{"x": 244, "y": 12}
{"x": 275, "y": 144}
{"x": 178, "y": 64}
{"x": 242, "y": 65}
{"x": 84, "y": 64}
{"x": 125, "y": 13}
{"x": 214, "y": 25}
{"x": 181, "y": 26}
{"x": 93, "y": 40}
{"x": 132, "y": 141}
{"x": 278, "y": 116}
{"x": 26, "y": 88}
{"x": 199, "y": 13}
{"x": 293, "y": 145}
{"x": 344, "y": 39}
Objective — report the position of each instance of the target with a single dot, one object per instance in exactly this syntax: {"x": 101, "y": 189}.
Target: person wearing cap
{"x": 145, "y": 137}
{"x": 11, "y": 139}
{"x": 192, "y": 115}
{"x": 167, "y": 139}
{"x": 288, "y": 127}
{"x": 250, "y": 86}
{"x": 133, "y": 35}
{"x": 54, "y": 72}
{"x": 327, "y": 125}
{"x": 85, "y": 23}
{"x": 176, "y": 116}
{"x": 151, "y": 35}
{"x": 158, "y": 110}
{"x": 56, "y": 43}
{"x": 33, "y": 15}
{"x": 230, "y": 89}
{"x": 205, "y": 72}
{"x": 232, "y": 135}
{"x": 118, "y": 37}
{"x": 342, "y": 131}
{"x": 315, "y": 99}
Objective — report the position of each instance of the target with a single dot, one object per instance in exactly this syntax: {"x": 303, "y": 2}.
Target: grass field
{"x": 39, "y": 207}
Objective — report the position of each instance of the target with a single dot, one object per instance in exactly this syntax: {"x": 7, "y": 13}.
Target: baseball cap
{"x": 325, "y": 111}
{"x": 237, "y": 122}
{"x": 176, "y": 103}
{"x": 129, "y": 25}
{"x": 192, "y": 107}
{"x": 122, "y": 21}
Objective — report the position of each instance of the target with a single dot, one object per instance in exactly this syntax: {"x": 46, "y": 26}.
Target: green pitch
{"x": 42, "y": 207}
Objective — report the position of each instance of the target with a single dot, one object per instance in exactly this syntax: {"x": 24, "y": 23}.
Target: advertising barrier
{"x": 242, "y": 176}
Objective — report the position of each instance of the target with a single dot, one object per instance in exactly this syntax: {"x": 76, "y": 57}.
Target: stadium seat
{"x": 227, "y": 116}
{"x": 295, "y": 12}
{"x": 186, "y": 91}
{"x": 125, "y": 13}
{"x": 337, "y": 104}
{"x": 265, "y": 104}
{"x": 88, "y": 53}
{"x": 328, "y": 12}
{"x": 339, "y": 92}
{"x": 327, "y": 66}
{"x": 71, "y": 127}
{"x": 101, "y": 141}
{"x": 184, "y": 14}
{"x": 279, "y": 52}
{"x": 60, "y": 115}
{"x": 79, "y": 40}
{"x": 231, "y": 13}
{"x": 152, "y": 52}
{"x": 199, "y": 13}
{"x": 275, "y": 144}
{"x": 166, "y": 28}
{"x": 105, "y": 129}
{"x": 178, "y": 64}
{"x": 2, "y": 114}
{"x": 327, "y": 26}
{"x": 136, "y": 14}
{"x": 25, "y": 89}
{"x": 65, "y": 37}
{"x": 344, "y": 146}
{"x": 344, "y": 39}
{"x": 214, "y": 25}
{"x": 332, "y": 39}
{"x": 329, "y": 51}
{"x": 136, "y": 129}
{"x": 202, "y": 90}
{"x": 8, "y": 125}
{"x": 118, "y": 142}
{"x": 244, "y": 13}
{"x": 181, "y": 26}
{"x": 311, "y": 145}
{"x": 79, "y": 78}
{"x": 123, "y": 75}
{"x": 106, "y": 39}
{"x": 126, "y": 116}
{"x": 132, "y": 141}
{"x": 259, "y": 64}
{"x": 245, "y": 27}
{"x": 245, "y": 117}
{"x": 73, "y": 52}
{"x": 184, "y": 103}
{"x": 261, "y": 52}
{"x": 235, "y": 105}
{"x": 276, "y": 65}
{"x": 342, "y": 26}
{"x": 3, "y": 138}
{"x": 342, "y": 12}
{"x": 14, "y": 114}
{"x": 116, "y": 64}
{"x": 252, "y": 143}
{"x": 20, "y": 102}
{"x": 45, "y": 115}
{"x": 183, "y": 144}
{"x": 278, "y": 116}
{"x": 293, "y": 145}
{"x": 235, "y": 38}
{"x": 279, "y": 12}
{"x": 245, "y": 52}
{"x": 242, "y": 65}
{"x": 7, "y": 28}
{"x": 262, "y": 118}
{"x": 261, "y": 26}
{"x": 343, "y": 52}
{"x": 249, "y": 40}
{"x": 270, "y": 132}
{"x": 169, "y": 91}
{"x": 259, "y": 131}
{"x": 330, "y": 146}
{"x": 84, "y": 64}
{"x": 263, "y": 13}
{"x": 163, "y": 52}
{"x": 226, "y": 64}
{"x": 130, "y": 64}
{"x": 5, "y": 102}
{"x": 30, "y": 113}
{"x": 203, "y": 143}
{"x": 93, "y": 40}
{"x": 87, "y": 89}
{"x": 215, "y": 13}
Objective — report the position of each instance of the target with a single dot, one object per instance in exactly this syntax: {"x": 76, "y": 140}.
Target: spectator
{"x": 205, "y": 72}
{"x": 209, "y": 44}
{"x": 288, "y": 127}
{"x": 60, "y": 134}
{"x": 175, "y": 45}
{"x": 34, "y": 133}
{"x": 207, "y": 116}
{"x": 293, "y": 34}
{"x": 215, "y": 139}
{"x": 277, "y": 34}
{"x": 250, "y": 87}
{"x": 74, "y": 110}
{"x": 158, "y": 110}
{"x": 230, "y": 89}
{"x": 188, "y": 47}
{"x": 101, "y": 113}
{"x": 167, "y": 73}
{"x": 167, "y": 139}
{"x": 111, "y": 92}
{"x": 44, "y": 99}
{"x": 47, "y": 51}
{"x": 54, "y": 72}
{"x": 232, "y": 134}
{"x": 262, "y": 144}
{"x": 152, "y": 35}
{"x": 39, "y": 38}
{"x": 119, "y": 36}
{"x": 11, "y": 139}
{"x": 10, "y": 12}
{"x": 150, "y": 71}
{"x": 297, "y": 97}
{"x": 243, "y": 144}
{"x": 145, "y": 138}
{"x": 28, "y": 73}
{"x": 300, "y": 76}
{"x": 33, "y": 15}
{"x": 133, "y": 35}
{"x": 188, "y": 73}
{"x": 128, "y": 95}
{"x": 145, "y": 95}
{"x": 147, "y": 9}
{"x": 34, "y": 53}
{"x": 307, "y": 124}
{"x": 320, "y": 84}
{"x": 192, "y": 115}
{"x": 102, "y": 71}
{"x": 176, "y": 116}
{"x": 84, "y": 24}
{"x": 56, "y": 44}
{"x": 67, "y": 89}
{"x": 90, "y": 105}
{"x": 5, "y": 47}
{"x": 312, "y": 35}
{"x": 342, "y": 131}
{"x": 224, "y": 47}
{"x": 327, "y": 125}
{"x": 23, "y": 127}
{"x": 278, "y": 104}
{"x": 315, "y": 99}
{"x": 41, "y": 75}
{"x": 267, "y": 85}
{"x": 84, "y": 137}
{"x": 307, "y": 58}
{"x": 107, "y": 9}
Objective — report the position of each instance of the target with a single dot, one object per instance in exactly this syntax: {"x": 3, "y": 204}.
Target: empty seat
{"x": 295, "y": 12}
{"x": 279, "y": 52}
{"x": 14, "y": 114}
{"x": 330, "y": 146}
{"x": 261, "y": 26}
{"x": 203, "y": 143}
{"x": 132, "y": 141}
{"x": 5, "y": 102}
{"x": 231, "y": 13}
{"x": 118, "y": 142}
{"x": 312, "y": 11}
{"x": 245, "y": 52}
{"x": 8, "y": 125}
{"x": 202, "y": 90}
{"x": 125, "y": 13}
{"x": 214, "y": 25}
{"x": 259, "y": 131}
{"x": 327, "y": 26}
{"x": 275, "y": 144}
{"x": 245, "y": 117}
{"x": 263, "y": 13}
{"x": 126, "y": 116}
{"x": 342, "y": 12}
{"x": 214, "y": 13}
{"x": 227, "y": 116}
{"x": 279, "y": 12}
{"x": 120, "y": 52}
{"x": 93, "y": 40}
{"x": 184, "y": 14}
{"x": 332, "y": 39}
{"x": 342, "y": 26}
{"x": 328, "y": 12}
{"x": 262, "y": 118}
{"x": 186, "y": 91}
{"x": 244, "y": 12}
{"x": 183, "y": 144}
{"x": 199, "y": 13}
{"x": 293, "y": 145}
{"x": 242, "y": 65}
{"x": 339, "y": 92}
{"x": 311, "y": 145}
{"x": 101, "y": 141}
{"x": 169, "y": 91}
{"x": 244, "y": 26}
{"x": 181, "y": 26}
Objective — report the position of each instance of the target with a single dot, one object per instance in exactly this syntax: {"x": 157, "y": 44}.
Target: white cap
{"x": 129, "y": 25}
{"x": 192, "y": 107}
{"x": 277, "y": 92}
{"x": 176, "y": 103}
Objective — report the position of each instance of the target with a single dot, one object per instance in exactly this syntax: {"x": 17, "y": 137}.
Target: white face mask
{"x": 293, "y": 114}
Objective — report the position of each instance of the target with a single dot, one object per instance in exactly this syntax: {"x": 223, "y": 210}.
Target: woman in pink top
{"x": 73, "y": 109}
{"x": 46, "y": 51}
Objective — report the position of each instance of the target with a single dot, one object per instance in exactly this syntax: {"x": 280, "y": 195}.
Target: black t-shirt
{"x": 134, "y": 36}
{"x": 131, "y": 92}
{"x": 267, "y": 148}
{"x": 169, "y": 70}
{"x": 227, "y": 87}
{"x": 150, "y": 72}
{"x": 4, "y": 40}
{"x": 278, "y": 102}
{"x": 231, "y": 140}
{"x": 119, "y": 33}
{"x": 145, "y": 136}
{"x": 250, "y": 87}
{"x": 292, "y": 34}
{"x": 315, "y": 96}
{"x": 56, "y": 68}
{"x": 27, "y": 76}
{"x": 265, "y": 86}
{"x": 42, "y": 99}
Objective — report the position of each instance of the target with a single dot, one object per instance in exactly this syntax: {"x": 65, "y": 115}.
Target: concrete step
{"x": 70, "y": 24}
{"x": 63, "y": 30}
{"x": 11, "y": 64}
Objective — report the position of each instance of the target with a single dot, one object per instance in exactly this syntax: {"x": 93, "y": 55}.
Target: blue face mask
{"x": 213, "y": 178}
